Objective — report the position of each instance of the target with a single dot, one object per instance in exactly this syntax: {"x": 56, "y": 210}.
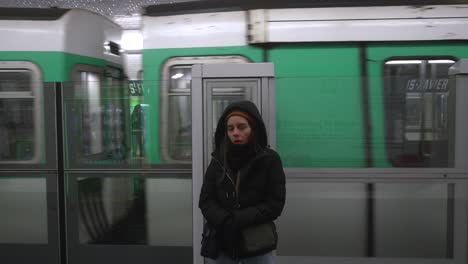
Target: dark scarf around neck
{"x": 237, "y": 156}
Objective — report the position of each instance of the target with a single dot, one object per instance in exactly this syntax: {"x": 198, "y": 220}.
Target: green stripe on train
{"x": 319, "y": 113}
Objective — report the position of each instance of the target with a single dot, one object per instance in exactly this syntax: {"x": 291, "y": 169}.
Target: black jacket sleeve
{"x": 272, "y": 205}
{"x": 208, "y": 203}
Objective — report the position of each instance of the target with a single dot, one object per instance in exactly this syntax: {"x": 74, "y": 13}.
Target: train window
{"x": 92, "y": 137}
{"x": 114, "y": 114}
{"x": 176, "y": 109}
{"x": 20, "y": 113}
{"x": 96, "y": 117}
{"x": 417, "y": 107}
{"x": 15, "y": 80}
{"x": 180, "y": 108}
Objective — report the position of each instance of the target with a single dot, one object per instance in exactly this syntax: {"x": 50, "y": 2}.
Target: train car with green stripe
{"x": 42, "y": 49}
{"x": 364, "y": 116}
{"x": 62, "y": 107}
{"x": 331, "y": 67}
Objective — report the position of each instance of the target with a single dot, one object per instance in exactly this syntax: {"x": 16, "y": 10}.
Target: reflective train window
{"x": 97, "y": 118}
{"x": 417, "y": 107}
{"x": 114, "y": 114}
{"x": 90, "y": 91}
{"x": 20, "y": 113}
{"x": 179, "y": 141}
{"x": 176, "y": 106}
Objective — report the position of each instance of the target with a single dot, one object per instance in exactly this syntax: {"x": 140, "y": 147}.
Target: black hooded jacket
{"x": 261, "y": 194}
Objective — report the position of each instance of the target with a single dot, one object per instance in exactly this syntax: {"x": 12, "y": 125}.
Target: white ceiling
{"x": 126, "y": 13}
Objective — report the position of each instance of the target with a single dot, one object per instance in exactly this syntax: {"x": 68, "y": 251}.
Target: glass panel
{"x": 181, "y": 77}
{"x": 92, "y": 115}
{"x": 409, "y": 215}
{"x": 115, "y": 121}
{"x": 394, "y": 220}
{"x": 97, "y": 122}
{"x": 180, "y": 127}
{"x": 226, "y": 92}
{"x": 179, "y": 119}
{"x": 114, "y": 118}
{"x": 137, "y": 120}
{"x": 107, "y": 207}
{"x": 23, "y": 207}
{"x": 169, "y": 217}
{"x": 416, "y": 105}
{"x": 15, "y": 81}
{"x": 222, "y": 97}
{"x": 135, "y": 211}
{"x": 16, "y": 129}
{"x": 137, "y": 130}
{"x": 323, "y": 219}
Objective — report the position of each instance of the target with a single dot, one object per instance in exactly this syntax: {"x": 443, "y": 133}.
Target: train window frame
{"x": 165, "y": 94}
{"x": 389, "y": 111}
{"x": 36, "y": 93}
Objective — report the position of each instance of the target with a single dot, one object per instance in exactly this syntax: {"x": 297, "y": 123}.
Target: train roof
{"x": 73, "y": 31}
{"x": 294, "y": 25}
{"x": 208, "y": 6}
{"x": 8, "y": 13}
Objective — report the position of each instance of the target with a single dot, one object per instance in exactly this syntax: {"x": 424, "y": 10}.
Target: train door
{"x": 214, "y": 87}
{"x": 411, "y": 81}
{"x": 28, "y": 166}
{"x": 412, "y": 111}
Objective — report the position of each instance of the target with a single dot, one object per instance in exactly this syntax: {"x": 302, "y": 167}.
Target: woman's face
{"x": 238, "y": 130}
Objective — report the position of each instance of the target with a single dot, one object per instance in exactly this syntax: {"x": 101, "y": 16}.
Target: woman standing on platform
{"x": 243, "y": 190}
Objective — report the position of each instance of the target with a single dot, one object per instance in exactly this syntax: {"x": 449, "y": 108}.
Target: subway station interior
{"x": 108, "y": 113}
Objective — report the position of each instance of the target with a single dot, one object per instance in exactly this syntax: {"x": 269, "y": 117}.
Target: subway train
{"x": 359, "y": 102}
{"x": 41, "y": 47}
{"x": 337, "y": 66}
{"x": 363, "y": 116}
{"x": 72, "y": 55}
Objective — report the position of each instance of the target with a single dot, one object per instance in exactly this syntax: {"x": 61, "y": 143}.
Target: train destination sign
{"x": 427, "y": 85}
{"x": 135, "y": 87}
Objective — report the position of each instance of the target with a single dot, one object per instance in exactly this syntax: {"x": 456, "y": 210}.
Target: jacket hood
{"x": 252, "y": 110}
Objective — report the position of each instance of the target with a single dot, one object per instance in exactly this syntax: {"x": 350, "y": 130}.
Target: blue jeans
{"x": 262, "y": 259}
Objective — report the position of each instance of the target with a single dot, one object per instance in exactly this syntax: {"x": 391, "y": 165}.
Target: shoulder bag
{"x": 258, "y": 239}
